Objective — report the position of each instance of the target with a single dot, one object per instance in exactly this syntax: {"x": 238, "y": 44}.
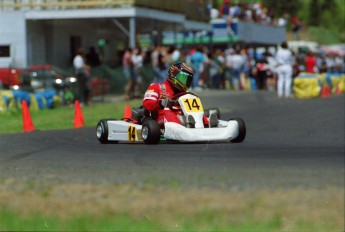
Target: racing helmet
{"x": 180, "y": 76}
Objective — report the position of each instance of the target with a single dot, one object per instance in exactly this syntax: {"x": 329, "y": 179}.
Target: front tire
{"x": 102, "y": 131}
{"x": 241, "y": 130}
{"x": 151, "y": 132}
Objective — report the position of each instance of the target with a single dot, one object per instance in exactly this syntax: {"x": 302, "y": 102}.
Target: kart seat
{"x": 140, "y": 113}
{"x": 150, "y": 114}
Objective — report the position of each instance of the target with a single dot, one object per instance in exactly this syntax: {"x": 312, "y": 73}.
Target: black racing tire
{"x": 241, "y": 130}
{"x": 102, "y": 131}
{"x": 151, "y": 132}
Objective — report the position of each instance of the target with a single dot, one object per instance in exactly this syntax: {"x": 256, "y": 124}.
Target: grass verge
{"x": 62, "y": 117}
{"x": 84, "y": 207}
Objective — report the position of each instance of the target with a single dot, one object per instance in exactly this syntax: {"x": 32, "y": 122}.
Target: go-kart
{"x": 143, "y": 127}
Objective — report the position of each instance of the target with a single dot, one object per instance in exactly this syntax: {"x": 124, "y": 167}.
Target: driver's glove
{"x": 166, "y": 102}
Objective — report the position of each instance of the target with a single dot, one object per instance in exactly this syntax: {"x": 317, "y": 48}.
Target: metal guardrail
{"x": 192, "y": 9}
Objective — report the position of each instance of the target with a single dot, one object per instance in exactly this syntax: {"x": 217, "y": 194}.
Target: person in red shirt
{"x": 310, "y": 62}
{"x": 158, "y": 96}
{"x": 224, "y": 10}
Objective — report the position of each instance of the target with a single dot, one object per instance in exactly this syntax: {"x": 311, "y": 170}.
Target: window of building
{"x": 5, "y": 51}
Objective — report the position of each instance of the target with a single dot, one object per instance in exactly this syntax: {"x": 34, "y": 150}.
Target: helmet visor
{"x": 184, "y": 78}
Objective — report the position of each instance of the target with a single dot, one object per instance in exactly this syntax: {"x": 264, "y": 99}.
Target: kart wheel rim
{"x": 99, "y": 131}
{"x": 144, "y": 132}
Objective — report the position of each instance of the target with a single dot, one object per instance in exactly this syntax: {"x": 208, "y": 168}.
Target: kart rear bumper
{"x": 180, "y": 133}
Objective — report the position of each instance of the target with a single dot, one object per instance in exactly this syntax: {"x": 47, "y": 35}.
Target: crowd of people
{"x": 234, "y": 68}
{"x": 230, "y": 68}
{"x": 256, "y": 12}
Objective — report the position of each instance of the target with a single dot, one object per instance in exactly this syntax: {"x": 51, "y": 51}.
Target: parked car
{"x": 38, "y": 78}
{"x": 10, "y": 78}
{"x": 47, "y": 77}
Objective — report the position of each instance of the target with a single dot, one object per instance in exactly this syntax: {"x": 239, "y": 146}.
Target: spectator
{"x": 310, "y": 62}
{"x": 154, "y": 62}
{"x": 92, "y": 57}
{"x": 168, "y": 55}
{"x": 284, "y": 70}
{"x": 330, "y": 62}
{"x": 162, "y": 68}
{"x": 137, "y": 60}
{"x": 245, "y": 69}
{"x": 82, "y": 73}
{"x": 213, "y": 12}
{"x": 232, "y": 21}
{"x": 176, "y": 55}
{"x": 215, "y": 68}
{"x": 339, "y": 64}
{"x": 261, "y": 73}
{"x": 197, "y": 63}
{"x": 321, "y": 63}
{"x": 272, "y": 72}
{"x": 204, "y": 77}
{"x": 224, "y": 10}
{"x": 296, "y": 25}
{"x": 235, "y": 63}
{"x": 127, "y": 66}
{"x": 281, "y": 22}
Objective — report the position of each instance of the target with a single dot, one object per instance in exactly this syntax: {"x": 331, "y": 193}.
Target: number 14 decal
{"x": 192, "y": 105}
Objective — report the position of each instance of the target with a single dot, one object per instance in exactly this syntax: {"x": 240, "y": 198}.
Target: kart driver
{"x": 158, "y": 97}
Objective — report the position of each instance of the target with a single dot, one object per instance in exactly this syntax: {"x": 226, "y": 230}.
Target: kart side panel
{"x": 124, "y": 131}
{"x": 178, "y": 132}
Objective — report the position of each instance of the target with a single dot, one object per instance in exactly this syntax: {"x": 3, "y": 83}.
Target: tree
{"x": 314, "y": 13}
{"x": 284, "y": 6}
{"x": 329, "y": 5}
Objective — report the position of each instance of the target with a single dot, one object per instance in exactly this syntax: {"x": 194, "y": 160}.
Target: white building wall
{"x": 36, "y": 42}
{"x": 49, "y": 40}
{"x": 13, "y": 33}
{"x": 60, "y": 47}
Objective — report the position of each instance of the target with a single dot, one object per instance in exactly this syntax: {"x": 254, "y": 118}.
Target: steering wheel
{"x": 176, "y": 96}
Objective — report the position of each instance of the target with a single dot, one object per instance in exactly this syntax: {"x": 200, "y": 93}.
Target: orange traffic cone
{"x": 128, "y": 112}
{"x": 78, "y": 115}
{"x": 28, "y": 126}
{"x": 325, "y": 91}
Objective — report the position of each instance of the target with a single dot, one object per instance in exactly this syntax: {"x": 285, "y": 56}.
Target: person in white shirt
{"x": 284, "y": 70}
{"x": 235, "y": 62}
{"x": 137, "y": 60}
{"x": 176, "y": 55}
{"x": 82, "y": 74}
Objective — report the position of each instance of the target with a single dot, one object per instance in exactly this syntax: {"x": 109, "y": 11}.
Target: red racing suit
{"x": 152, "y": 98}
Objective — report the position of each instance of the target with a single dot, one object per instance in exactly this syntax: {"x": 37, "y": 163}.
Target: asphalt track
{"x": 290, "y": 143}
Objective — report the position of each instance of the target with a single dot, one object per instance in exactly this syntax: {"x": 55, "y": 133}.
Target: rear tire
{"x": 241, "y": 130}
{"x": 151, "y": 132}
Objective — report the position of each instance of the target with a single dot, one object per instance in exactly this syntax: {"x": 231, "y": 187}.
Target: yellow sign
{"x": 192, "y": 105}
{"x": 132, "y": 130}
